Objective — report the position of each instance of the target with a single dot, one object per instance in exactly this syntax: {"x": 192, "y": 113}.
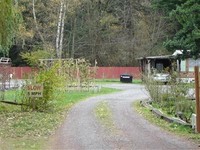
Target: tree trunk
{"x": 36, "y": 24}
{"x": 60, "y": 29}
{"x": 73, "y": 39}
{"x": 62, "y": 32}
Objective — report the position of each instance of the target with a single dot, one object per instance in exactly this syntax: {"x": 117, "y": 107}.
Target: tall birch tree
{"x": 60, "y": 29}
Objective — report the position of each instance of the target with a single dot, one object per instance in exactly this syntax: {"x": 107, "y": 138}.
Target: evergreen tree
{"x": 185, "y": 14}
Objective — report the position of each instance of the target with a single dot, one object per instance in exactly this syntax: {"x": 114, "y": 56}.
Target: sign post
{"x": 197, "y": 93}
{"x": 34, "y": 91}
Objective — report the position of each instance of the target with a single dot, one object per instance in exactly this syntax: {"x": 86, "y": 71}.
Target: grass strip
{"x": 104, "y": 114}
{"x": 180, "y": 130}
{"x": 109, "y": 81}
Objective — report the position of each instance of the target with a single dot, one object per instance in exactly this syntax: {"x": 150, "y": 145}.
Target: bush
{"x": 51, "y": 81}
{"x": 56, "y": 75}
{"x": 184, "y": 109}
{"x": 171, "y": 99}
{"x": 153, "y": 88}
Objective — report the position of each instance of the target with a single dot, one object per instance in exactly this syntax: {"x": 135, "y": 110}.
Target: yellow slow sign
{"x": 34, "y": 90}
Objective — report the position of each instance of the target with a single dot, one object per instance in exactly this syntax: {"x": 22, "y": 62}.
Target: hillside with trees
{"x": 111, "y": 32}
{"x": 185, "y": 16}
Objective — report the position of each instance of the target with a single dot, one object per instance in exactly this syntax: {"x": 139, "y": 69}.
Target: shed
{"x": 152, "y": 64}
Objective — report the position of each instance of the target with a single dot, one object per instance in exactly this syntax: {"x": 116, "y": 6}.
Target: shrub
{"x": 153, "y": 88}
{"x": 56, "y": 75}
{"x": 51, "y": 81}
{"x": 173, "y": 98}
{"x": 184, "y": 108}
{"x": 32, "y": 57}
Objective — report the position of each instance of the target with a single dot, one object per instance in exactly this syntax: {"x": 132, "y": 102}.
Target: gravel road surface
{"x": 83, "y": 131}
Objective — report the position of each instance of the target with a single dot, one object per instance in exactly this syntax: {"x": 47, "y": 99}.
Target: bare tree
{"x": 36, "y": 24}
{"x": 60, "y": 29}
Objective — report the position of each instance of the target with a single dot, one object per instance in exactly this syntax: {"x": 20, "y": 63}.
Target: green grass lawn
{"x": 108, "y": 81}
{"x": 30, "y": 130}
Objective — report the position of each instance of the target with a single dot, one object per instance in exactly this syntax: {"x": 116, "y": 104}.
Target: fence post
{"x": 197, "y": 92}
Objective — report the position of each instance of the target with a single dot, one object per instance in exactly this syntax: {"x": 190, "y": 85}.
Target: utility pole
{"x": 197, "y": 92}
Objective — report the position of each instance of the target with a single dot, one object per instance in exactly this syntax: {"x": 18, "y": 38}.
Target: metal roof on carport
{"x": 157, "y": 57}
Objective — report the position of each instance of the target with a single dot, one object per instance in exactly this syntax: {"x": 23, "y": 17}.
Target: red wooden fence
{"x": 20, "y": 72}
{"x": 102, "y": 72}
{"x": 115, "y": 72}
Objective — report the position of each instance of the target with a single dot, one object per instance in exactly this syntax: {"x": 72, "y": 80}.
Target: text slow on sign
{"x": 35, "y": 90}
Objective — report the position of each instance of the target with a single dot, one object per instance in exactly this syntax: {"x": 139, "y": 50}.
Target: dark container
{"x": 126, "y": 78}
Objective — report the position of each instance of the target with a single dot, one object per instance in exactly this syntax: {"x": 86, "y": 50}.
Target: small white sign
{"x": 35, "y": 90}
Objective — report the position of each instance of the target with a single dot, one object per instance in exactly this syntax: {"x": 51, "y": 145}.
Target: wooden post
{"x": 197, "y": 92}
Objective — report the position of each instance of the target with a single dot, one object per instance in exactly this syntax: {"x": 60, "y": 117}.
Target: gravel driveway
{"x": 83, "y": 131}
